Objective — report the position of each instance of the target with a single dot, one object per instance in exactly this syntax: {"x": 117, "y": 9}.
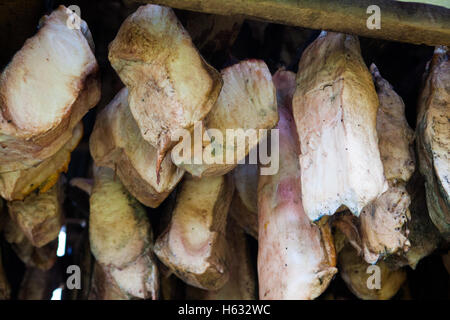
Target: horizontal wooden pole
{"x": 416, "y": 23}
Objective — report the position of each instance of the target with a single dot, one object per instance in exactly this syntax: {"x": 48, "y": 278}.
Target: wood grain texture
{"x": 406, "y": 22}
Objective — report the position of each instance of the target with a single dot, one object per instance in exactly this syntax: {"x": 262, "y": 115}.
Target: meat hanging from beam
{"x": 335, "y": 108}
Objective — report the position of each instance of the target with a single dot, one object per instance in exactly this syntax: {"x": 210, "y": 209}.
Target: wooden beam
{"x": 416, "y": 23}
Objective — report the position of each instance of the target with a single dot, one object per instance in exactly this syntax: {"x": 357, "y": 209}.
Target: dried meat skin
{"x": 116, "y": 142}
{"x": 193, "y": 246}
{"x": 335, "y": 107}
{"x": 433, "y": 139}
{"x": 247, "y": 101}
{"x": 46, "y": 89}
{"x": 170, "y": 85}
{"x": 293, "y": 257}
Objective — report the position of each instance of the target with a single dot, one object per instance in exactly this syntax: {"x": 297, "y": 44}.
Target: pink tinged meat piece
{"x": 335, "y": 108}
{"x": 295, "y": 259}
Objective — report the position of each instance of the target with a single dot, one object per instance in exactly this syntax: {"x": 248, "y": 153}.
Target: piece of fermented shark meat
{"x": 246, "y": 219}
{"x": 395, "y": 137}
{"x": 171, "y": 86}
{"x": 242, "y": 282}
{"x": 433, "y": 139}
{"x": 381, "y": 230}
{"x": 335, "y": 108}
{"x": 296, "y": 257}
{"x": 121, "y": 238}
{"x": 104, "y": 287}
{"x": 423, "y": 236}
{"x": 116, "y": 142}
{"x": 46, "y": 89}
{"x": 5, "y": 289}
{"x": 43, "y": 258}
{"x": 247, "y": 101}
{"x": 193, "y": 245}
{"x": 39, "y": 215}
{"x": 16, "y": 185}
{"x": 383, "y": 223}
{"x": 354, "y": 271}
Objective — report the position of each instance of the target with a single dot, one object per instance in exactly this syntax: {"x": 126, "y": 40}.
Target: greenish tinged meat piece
{"x": 121, "y": 238}
{"x": 433, "y": 138}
